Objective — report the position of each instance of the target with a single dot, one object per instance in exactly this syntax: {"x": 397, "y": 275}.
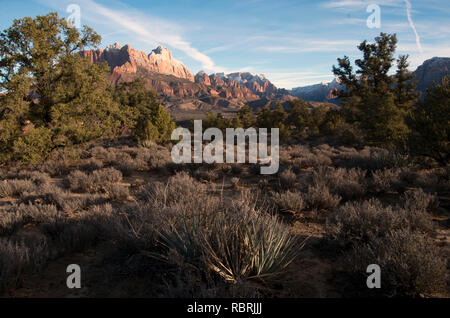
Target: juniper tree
{"x": 374, "y": 100}
{"x": 142, "y": 112}
{"x": 245, "y": 117}
{"x": 299, "y": 116}
{"x": 404, "y": 90}
{"x": 60, "y": 93}
{"x": 430, "y": 122}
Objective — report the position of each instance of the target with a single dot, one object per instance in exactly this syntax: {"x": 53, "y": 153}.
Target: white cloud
{"x": 429, "y": 51}
{"x": 141, "y": 27}
{"x": 411, "y": 23}
{"x": 358, "y": 4}
{"x": 290, "y": 80}
{"x": 302, "y": 46}
{"x": 345, "y": 3}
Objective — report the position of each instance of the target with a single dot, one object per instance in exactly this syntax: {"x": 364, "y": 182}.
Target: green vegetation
{"x": 431, "y": 124}
{"x": 376, "y": 102}
{"x": 378, "y": 108}
{"x": 54, "y": 98}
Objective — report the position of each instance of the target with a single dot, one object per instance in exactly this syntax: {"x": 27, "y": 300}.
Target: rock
{"x": 126, "y": 60}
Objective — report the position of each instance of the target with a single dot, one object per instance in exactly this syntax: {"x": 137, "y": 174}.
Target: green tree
{"x": 14, "y": 112}
{"x": 373, "y": 100}
{"x": 143, "y": 113}
{"x": 245, "y": 117}
{"x": 430, "y": 124}
{"x": 404, "y": 90}
{"x": 276, "y": 118}
{"x": 298, "y": 117}
{"x": 48, "y": 84}
{"x": 332, "y": 123}
{"x": 317, "y": 117}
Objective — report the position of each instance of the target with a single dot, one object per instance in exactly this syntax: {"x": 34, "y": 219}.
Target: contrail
{"x": 411, "y": 23}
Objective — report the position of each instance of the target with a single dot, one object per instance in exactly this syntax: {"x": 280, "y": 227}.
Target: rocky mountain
{"x": 175, "y": 84}
{"x": 432, "y": 70}
{"x": 256, "y": 84}
{"x": 322, "y": 92}
{"x": 126, "y": 60}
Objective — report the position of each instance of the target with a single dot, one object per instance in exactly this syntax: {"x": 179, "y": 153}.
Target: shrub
{"x": 106, "y": 176}
{"x": 72, "y": 237}
{"x": 237, "y": 243}
{"x": 129, "y": 165}
{"x": 371, "y": 159}
{"x": 55, "y": 168}
{"x": 117, "y": 192}
{"x": 18, "y": 257}
{"x": 350, "y": 184}
{"x": 102, "y": 218}
{"x": 309, "y": 160}
{"x": 249, "y": 245}
{"x": 384, "y": 180}
{"x": 79, "y": 181}
{"x": 10, "y": 221}
{"x": 99, "y": 152}
{"x": 289, "y": 202}
{"x": 410, "y": 264}
{"x": 426, "y": 180}
{"x": 362, "y": 222}
{"x": 51, "y": 194}
{"x": 39, "y": 213}
{"x": 33, "y": 146}
{"x": 159, "y": 159}
{"x": 39, "y": 178}
{"x": 287, "y": 179}
{"x": 319, "y": 198}
{"x": 92, "y": 164}
{"x": 254, "y": 169}
{"x": 181, "y": 188}
{"x": 418, "y": 200}
{"x": 15, "y": 188}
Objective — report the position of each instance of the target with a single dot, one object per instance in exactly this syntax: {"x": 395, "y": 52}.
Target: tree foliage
{"x": 430, "y": 122}
{"x": 141, "y": 111}
{"x": 374, "y": 100}
{"x": 52, "y": 97}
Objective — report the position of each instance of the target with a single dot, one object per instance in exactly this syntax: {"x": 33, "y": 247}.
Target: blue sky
{"x": 293, "y": 42}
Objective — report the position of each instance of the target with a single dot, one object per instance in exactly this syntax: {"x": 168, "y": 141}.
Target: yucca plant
{"x": 247, "y": 244}
{"x": 237, "y": 242}
{"x": 183, "y": 237}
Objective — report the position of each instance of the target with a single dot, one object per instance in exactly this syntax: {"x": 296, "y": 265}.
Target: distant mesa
{"x": 171, "y": 79}
{"x": 126, "y": 60}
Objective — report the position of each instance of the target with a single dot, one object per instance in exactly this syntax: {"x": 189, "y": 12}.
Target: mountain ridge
{"x": 431, "y": 70}
{"x": 174, "y": 83}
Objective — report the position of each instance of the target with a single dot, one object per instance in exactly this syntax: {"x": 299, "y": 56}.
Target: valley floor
{"x": 107, "y": 206}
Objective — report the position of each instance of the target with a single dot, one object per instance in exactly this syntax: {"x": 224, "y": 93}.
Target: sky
{"x": 292, "y": 42}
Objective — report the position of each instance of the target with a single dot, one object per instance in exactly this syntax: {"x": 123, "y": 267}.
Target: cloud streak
{"x": 143, "y": 28}
{"x": 411, "y": 23}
